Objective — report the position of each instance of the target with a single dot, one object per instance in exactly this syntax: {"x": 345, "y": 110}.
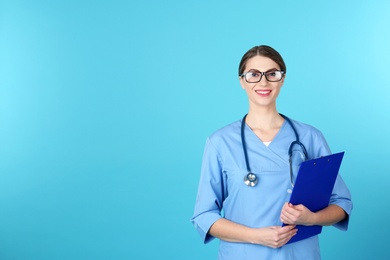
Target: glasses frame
{"x": 263, "y": 74}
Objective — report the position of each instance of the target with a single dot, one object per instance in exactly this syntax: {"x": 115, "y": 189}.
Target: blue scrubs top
{"x": 223, "y": 193}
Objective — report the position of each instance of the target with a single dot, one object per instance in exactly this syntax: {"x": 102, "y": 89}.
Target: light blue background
{"x": 105, "y": 107}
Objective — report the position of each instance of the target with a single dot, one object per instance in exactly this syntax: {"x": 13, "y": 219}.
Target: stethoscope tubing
{"x": 250, "y": 178}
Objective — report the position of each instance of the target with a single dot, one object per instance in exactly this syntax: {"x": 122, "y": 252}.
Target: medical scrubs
{"x": 223, "y": 193}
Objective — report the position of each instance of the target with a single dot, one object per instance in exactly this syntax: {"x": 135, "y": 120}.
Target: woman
{"x": 246, "y": 212}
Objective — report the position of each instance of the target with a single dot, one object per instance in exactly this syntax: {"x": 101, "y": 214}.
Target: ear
{"x": 284, "y": 76}
{"x": 241, "y": 82}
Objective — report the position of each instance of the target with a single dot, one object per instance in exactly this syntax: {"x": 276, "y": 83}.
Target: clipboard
{"x": 313, "y": 188}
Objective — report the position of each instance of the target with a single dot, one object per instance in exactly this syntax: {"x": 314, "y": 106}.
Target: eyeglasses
{"x": 254, "y": 76}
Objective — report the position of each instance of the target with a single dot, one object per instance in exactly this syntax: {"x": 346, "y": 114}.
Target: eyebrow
{"x": 273, "y": 69}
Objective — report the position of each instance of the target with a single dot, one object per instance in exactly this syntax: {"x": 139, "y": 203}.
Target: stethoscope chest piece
{"x": 251, "y": 179}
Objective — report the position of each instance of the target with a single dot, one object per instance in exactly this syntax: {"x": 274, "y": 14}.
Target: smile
{"x": 263, "y": 92}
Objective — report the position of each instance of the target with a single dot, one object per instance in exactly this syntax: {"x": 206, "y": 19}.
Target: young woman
{"x": 246, "y": 211}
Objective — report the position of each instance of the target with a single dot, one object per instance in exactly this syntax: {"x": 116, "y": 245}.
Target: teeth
{"x": 263, "y": 91}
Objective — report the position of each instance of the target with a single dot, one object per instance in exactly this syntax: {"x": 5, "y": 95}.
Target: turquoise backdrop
{"x": 105, "y": 107}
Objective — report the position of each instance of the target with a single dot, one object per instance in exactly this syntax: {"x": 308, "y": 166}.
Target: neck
{"x": 264, "y": 119}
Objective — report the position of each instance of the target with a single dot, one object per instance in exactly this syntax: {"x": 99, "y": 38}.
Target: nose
{"x": 263, "y": 79}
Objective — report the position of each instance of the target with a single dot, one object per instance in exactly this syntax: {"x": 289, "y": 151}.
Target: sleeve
{"x": 342, "y": 198}
{"x": 210, "y": 195}
{"x": 341, "y": 195}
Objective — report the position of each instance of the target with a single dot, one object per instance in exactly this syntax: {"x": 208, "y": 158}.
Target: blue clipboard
{"x": 313, "y": 188}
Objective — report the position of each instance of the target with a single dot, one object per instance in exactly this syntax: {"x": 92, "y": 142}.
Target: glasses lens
{"x": 253, "y": 76}
{"x": 274, "y": 75}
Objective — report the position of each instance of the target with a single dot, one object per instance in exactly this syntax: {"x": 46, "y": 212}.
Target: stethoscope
{"x": 251, "y": 179}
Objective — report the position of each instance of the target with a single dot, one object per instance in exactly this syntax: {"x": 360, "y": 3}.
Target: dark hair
{"x": 265, "y": 51}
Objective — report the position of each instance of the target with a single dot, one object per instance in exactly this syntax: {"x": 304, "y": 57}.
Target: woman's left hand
{"x": 296, "y": 215}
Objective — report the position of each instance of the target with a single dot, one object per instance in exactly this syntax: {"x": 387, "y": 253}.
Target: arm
{"x": 340, "y": 204}
{"x": 300, "y": 215}
{"x": 274, "y": 236}
{"x": 207, "y": 217}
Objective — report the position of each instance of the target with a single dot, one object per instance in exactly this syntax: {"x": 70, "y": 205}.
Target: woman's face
{"x": 262, "y": 93}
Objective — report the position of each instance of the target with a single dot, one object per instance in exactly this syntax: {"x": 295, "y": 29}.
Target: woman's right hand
{"x": 274, "y": 236}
